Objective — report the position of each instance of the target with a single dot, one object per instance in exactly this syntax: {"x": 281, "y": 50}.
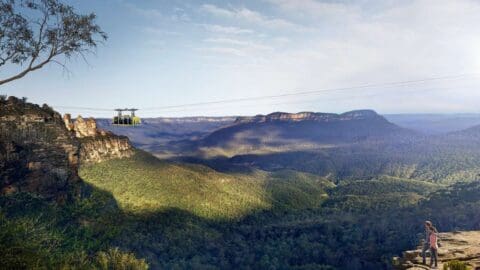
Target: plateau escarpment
{"x": 40, "y": 152}
{"x": 461, "y": 247}
{"x": 310, "y": 116}
{"x": 354, "y": 145}
{"x": 306, "y": 130}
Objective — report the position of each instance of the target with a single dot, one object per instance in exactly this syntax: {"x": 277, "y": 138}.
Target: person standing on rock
{"x": 426, "y": 243}
{"x": 433, "y": 246}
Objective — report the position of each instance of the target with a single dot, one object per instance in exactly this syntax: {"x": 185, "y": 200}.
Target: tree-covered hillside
{"x": 442, "y": 159}
{"x": 180, "y": 216}
{"x": 346, "y": 206}
{"x": 146, "y": 184}
{"x": 302, "y": 222}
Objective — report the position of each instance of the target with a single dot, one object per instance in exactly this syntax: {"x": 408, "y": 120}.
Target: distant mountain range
{"x": 287, "y": 191}
{"x": 353, "y": 145}
{"x": 156, "y": 132}
{"x": 304, "y": 129}
{"x": 431, "y": 124}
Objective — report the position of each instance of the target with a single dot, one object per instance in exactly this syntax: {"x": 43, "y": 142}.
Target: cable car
{"x": 126, "y": 119}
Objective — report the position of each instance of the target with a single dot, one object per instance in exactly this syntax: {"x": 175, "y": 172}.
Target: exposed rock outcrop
{"x": 98, "y": 145}
{"x": 67, "y": 119}
{"x": 463, "y": 246}
{"x": 104, "y": 147}
{"x": 309, "y": 116}
{"x": 85, "y": 128}
{"x": 40, "y": 151}
{"x": 37, "y": 153}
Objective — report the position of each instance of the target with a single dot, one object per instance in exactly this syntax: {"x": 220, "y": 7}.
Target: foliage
{"x": 455, "y": 265}
{"x": 115, "y": 259}
{"x": 36, "y": 234}
{"x": 296, "y": 226}
{"x": 280, "y": 220}
{"x": 200, "y": 190}
{"x": 440, "y": 160}
{"x": 34, "y": 33}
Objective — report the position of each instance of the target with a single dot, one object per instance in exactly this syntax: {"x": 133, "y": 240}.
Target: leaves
{"x": 37, "y": 32}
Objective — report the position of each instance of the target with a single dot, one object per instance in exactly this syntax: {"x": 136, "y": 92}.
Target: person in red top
{"x": 433, "y": 241}
{"x": 426, "y": 241}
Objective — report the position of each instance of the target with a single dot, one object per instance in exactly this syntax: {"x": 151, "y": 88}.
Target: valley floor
{"x": 184, "y": 216}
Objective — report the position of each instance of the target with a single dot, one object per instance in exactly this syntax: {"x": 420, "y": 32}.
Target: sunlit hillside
{"x": 144, "y": 183}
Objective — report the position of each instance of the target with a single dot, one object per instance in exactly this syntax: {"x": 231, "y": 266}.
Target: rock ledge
{"x": 461, "y": 245}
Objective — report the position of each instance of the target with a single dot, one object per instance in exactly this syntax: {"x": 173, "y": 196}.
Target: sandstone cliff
{"x": 462, "y": 246}
{"x": 102, "y": 148}
{"x": 40, "y": 151}
{"x": 37, "y": 153}
{"x": 309, "y": 116}
{"x": 97, "y": 145}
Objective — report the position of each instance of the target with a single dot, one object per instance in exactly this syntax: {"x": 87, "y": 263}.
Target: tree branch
{"x": 59, "y": 31}
{"x": 31, "y": 67}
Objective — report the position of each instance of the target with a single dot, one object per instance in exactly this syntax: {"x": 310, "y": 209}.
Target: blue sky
{"x": 164, "y": 53}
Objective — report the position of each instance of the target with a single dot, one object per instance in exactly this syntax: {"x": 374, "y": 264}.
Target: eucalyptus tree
{"x": 34, "y": 33}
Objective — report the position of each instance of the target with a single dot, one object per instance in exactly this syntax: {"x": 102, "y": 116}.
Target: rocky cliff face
{"x": 97, "y": 145}
{"x": 309, "y": 116}
{"x": 40, "y": 151}
{"x": 461, "y": 246}
{"x": 37, "y": 153}
{"x": 104, "y": 147}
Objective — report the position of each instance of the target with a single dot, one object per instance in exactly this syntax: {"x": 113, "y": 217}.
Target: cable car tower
{"x": 126, "y": 119}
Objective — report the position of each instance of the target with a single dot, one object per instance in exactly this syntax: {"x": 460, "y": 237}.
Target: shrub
{"x": 455, "y": 265}
{"x": 116, "y": 259}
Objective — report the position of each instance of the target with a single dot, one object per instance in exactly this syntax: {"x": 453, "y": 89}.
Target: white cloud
{"x": 160, "y": 31}
{"x": 224, "y": 50}
{"x": 378, "y": 43}
{"x": 150, "y": 13}
{"x": 246, "y": 44}
{"x": 251, "y": 16}
{"x": 212, "y": 9}
{"x": 249, "y": 50}
{"x": 227, "y": 41}
{"x": 226, "y": 29}
{"x": 354, "y": 43}
{"x": 319, "y": 9}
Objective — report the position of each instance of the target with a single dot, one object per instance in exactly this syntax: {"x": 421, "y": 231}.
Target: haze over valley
{"x": 272, "y": 134}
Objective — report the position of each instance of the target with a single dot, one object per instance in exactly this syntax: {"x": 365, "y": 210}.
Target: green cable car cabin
{"x": 126, "y": 119}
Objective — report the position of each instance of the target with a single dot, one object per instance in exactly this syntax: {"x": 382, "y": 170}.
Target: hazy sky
{"x": 164, "y": 53}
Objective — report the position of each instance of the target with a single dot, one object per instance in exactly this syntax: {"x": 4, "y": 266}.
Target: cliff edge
{"x": 463, "y": 246}
{"x": 41, "y": 151}
{"x": 97, "y": 145}
{"x": 309, "y": 116}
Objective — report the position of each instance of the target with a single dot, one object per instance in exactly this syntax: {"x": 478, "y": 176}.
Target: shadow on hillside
{"x": 430, "y": 162}
{"x": 316, "y": 162}
{"x": 177, "y": 239}
{"x": 173, "y": 235}
{"x": 94, "y": 222}
{"x": 219, "y": 163}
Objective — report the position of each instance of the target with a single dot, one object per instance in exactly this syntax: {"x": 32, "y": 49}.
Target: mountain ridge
{"x": 308, "y": 116}
{"x": 281, "y": 129}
